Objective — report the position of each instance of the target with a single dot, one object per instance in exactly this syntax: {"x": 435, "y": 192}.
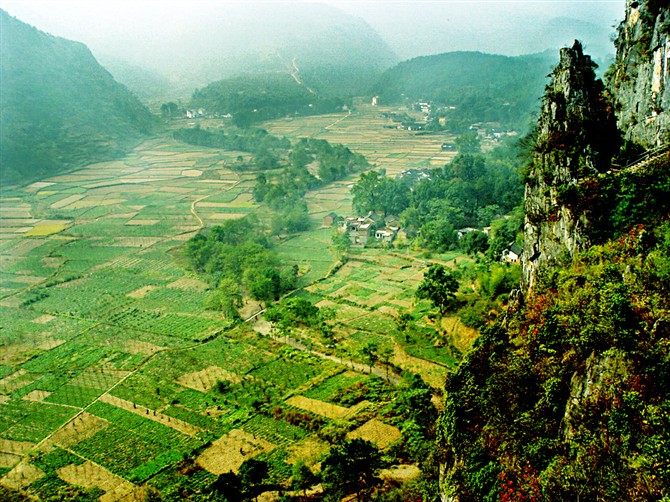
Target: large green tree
{"x": 439, "y": 286}
{"x": 351, "y": 466}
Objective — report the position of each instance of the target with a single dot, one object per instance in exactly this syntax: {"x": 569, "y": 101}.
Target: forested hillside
{"x": 481, "y": 87}
{"x": 256, "y": 98}
{"x": 567, "y": 397}
{"x": 60, "y": 108}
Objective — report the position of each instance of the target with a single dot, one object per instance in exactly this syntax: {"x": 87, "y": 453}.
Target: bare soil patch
{"x": 141, "y": 292}
{"x": 21, "y": 476}
{"x": 82, "y": 427}
{"x": 50, "y": 344}
{"x": 401, "y": 473}
{"x": 433, "y": 374}
{"x": 322, "y": 408}
{"x": 90, "y": 475}
{"x": 15, "y": 381}
{"x": 377, "y": 432}
{"x": 310, "y": 450}
{"x": 36, "y": 395}
{"x": 140, "y": 347}
{"x": 67, "y": 200}
{"x": 15, "y": 447}
{"x": 43, "y": 319}
{"x": 188, "y": 283}
{"x": 231, "y": 450}
{"x": 206, "y": 379}
{"x": 8, "y": 460}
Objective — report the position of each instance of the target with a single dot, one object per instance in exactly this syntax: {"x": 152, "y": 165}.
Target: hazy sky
{"x": 483, "y": 25}
{"x": 152, "y": 33}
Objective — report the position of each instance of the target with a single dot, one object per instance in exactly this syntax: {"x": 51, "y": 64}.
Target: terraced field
{"x": 114, "y": 376}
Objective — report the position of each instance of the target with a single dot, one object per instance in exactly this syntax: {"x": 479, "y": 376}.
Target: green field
{"x": 113, "y": 372}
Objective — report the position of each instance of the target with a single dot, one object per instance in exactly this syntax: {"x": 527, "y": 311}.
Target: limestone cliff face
{"x": 573, "y": 141}
{"x": 640, "y": 79}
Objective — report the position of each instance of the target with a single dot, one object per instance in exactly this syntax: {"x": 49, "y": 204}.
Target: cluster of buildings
{"x": 363, "y": 229}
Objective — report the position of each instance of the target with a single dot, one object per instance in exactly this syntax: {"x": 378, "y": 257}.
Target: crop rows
{"x": 30, "y": 421}
{"x": 275, "y": 431}
{"x": 137, "y": 442}
{"x": 334, "y": 384}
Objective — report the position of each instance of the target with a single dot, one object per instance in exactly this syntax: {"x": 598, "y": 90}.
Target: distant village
{"x": 374, "y": 229}
{"x": 432, "y": 116}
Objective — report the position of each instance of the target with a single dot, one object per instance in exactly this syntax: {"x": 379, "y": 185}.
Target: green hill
{"x": 59, "y": 107}
{"x": 481, "y": 87}
{"x": 255, "y": 98}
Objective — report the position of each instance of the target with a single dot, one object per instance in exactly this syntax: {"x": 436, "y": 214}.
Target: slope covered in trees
{"x": 60, "y": 108}
{"x": 256, "y": 98}
{"x": 567, "y": 397}
{"x": 481, "y": 87}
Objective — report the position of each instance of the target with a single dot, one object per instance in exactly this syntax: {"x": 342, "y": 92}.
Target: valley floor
{"x": 113, "y": 375}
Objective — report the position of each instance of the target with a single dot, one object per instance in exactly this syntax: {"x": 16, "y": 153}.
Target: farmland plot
{"x": 112, "y": 372}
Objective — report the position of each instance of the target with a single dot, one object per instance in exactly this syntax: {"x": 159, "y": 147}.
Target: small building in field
{"x": 331, "y": 219}
{"x": 512, "y": 254}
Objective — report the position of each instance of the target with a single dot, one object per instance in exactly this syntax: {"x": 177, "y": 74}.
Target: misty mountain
{"x": 481, "y": 87}
{"x": 194, "y": 44}
{"x": 59, "y": 106}
{"x": 143, "y": 82}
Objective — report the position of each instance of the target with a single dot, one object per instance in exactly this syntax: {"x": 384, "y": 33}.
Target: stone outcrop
{"x": 573, "y": 141}
{"x": 640, "y": 78}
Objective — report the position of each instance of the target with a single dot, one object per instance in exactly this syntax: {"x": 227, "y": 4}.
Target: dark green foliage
{"x": 471, "y": 191}
{"x": 474, "y": 242}
{"x": 169, "y": 110}
{"x": 264, "y": 146}
{"x": 469, "y": 143}
{"x": 302, "y": 477}
{"x": 11, "y": 495}
{"x": 228, "y": 487}
{"x": 285, "y": 192}
{"x": 252, "y": 474}
{"x": 375, "y": 192}
{"x": 350, "y": 466}
{"x": 257, "y": 98}
{"x": 60, "y": 108}
{"x": 499, "y": 279}
{"x": 503, "y": 233}
{"x": 515, "y": 417}
{"x": 419, "y": 416}
{"x": 482, "y": 87}
{"x": 236, "y": 254}
{"x": 616, "y": 203}
{"x": 439, "y": 286}
{"x": 295, "y": 311}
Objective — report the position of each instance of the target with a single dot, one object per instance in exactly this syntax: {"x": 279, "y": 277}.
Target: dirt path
{"x": 338, "y": 120}
{"x": 294, "y": 73}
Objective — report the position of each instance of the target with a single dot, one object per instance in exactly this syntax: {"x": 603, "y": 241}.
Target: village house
{"x": 331, "y": 219}
{"x": 512, "y": 254}
{"x": 385, "y": 235}
{"x": 372, "y": 225}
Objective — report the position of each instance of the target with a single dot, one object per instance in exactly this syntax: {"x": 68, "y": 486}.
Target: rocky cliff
{"x": 575, "y": 138}
{"x": 640, "y": 78}
{"x": 569, "y": 398}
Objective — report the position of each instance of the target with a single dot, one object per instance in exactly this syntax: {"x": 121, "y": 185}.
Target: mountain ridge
{"x": 60, "y": 108}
